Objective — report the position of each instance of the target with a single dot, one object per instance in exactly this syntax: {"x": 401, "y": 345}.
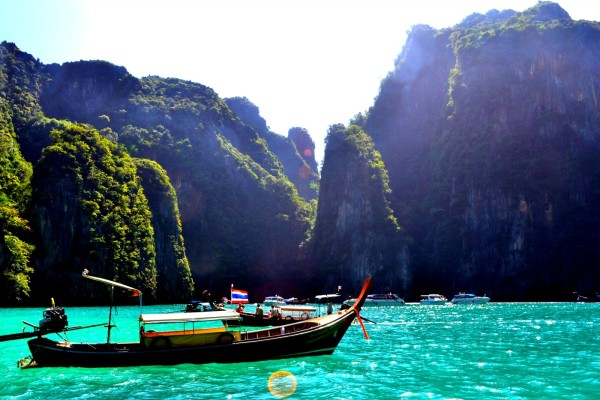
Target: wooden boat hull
{"x": 293, "y": 340}
{"x": 313, "y": 337}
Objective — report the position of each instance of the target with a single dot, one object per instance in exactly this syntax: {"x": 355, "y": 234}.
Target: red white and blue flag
{"x": 238, "y": 296}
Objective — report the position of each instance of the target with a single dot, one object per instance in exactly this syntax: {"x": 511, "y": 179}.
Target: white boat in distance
{"x": 433, "y": 299}
{"x": 469, "y": 298}
{"x": 328, "y": 298}
{"x": 378, "y": 300}
{"x": 274, "y": 301}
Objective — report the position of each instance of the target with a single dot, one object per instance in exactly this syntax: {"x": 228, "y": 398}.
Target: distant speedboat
{"x": 376, "y": 300}
{"x": 433, "y": 299}
{"x": 295, "y": 300}
{"x": 274, "y": 301}
{"x": 328, "y": 298}
{"x": 196, "y": 305}
{"x": 469, "y": 298}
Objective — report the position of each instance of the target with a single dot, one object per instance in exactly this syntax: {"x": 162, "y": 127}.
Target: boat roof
{"x": 190, "y": 317}
{"x": 297, "y": 308}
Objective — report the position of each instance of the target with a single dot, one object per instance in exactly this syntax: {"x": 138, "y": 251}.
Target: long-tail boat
{"x": 196, "y": 338}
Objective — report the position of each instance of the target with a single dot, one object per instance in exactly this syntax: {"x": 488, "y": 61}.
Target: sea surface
{"x": 491, "y": 351}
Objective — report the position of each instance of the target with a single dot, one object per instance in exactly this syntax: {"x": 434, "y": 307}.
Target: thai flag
{"x": 238, "y": 296}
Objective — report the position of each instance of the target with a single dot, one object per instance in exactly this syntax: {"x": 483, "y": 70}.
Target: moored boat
{"x": 199, "y": 338}
{"x": 274, "y": 301}
{"x": 377, "y": 300}
{"x": 469, "y": 298}
{"x": 197, "y": 305}
{"x": 433, "y": 299}
{"x": 328, "y": 298}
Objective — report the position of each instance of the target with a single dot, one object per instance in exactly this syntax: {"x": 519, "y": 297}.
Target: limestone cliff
{"x": 233, "y": 203}
{"x": 296, "y": 152}
{"x": 490, "y": 133}
{"x": 356, "y": 234}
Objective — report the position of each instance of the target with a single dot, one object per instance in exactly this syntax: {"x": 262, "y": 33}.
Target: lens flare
{"x": 282, "y": 384}
{"x": 304, "y": 172}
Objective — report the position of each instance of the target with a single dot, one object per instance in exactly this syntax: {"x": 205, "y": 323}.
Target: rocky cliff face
{"x": 173, "y": 268}
{"x": 240, "y": 213}
{"x": 490, "y": 133}
{"x": 82, "y": 91}
{"x": 88, "y": 210}
{"x": 356, "y": 234}
{"x": 296, "y": 152}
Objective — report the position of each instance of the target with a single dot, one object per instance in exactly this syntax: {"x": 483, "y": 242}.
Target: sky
{"x": 303, "y": 63}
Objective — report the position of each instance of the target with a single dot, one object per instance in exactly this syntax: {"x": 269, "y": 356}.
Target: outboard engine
{"x": 54, "y": 319}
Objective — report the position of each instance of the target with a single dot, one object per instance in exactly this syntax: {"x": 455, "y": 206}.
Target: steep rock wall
{"x": 490, "y": 132}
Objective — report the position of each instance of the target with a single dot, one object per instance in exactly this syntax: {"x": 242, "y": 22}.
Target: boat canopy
{"x": 190, "y": 317}
{"x": 297, "y": 308}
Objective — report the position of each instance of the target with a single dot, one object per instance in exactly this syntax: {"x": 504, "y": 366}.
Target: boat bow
{"x": 363, "y": 295}
{"x": 359, "y": 303}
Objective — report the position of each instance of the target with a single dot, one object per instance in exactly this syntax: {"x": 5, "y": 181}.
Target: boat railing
{"x": 278, "y": 331}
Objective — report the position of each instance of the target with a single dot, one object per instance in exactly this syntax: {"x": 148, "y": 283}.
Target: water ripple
{"x": 496, "y": 351}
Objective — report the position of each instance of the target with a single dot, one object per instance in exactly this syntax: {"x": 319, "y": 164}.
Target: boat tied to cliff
{"x": 194, "y": 338}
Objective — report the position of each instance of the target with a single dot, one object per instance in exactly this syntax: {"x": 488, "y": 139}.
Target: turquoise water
{"x": 492, "y": 351}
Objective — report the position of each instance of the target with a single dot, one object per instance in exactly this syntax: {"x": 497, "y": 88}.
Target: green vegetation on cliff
{"x": 90, "y": 211}
{"x": 489, "y": 130}
{"x": 356, "y": 233}
{"x": 175, "y": 284}
{"x": 296, "y": 152}
{"x": 482, "y": 144}
{"x": 216, "y": 204}
{"x": 15, "y": 248}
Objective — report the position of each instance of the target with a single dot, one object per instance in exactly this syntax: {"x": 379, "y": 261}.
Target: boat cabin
{"x": 189, "y": 329}
{"x": 296, "y": 313}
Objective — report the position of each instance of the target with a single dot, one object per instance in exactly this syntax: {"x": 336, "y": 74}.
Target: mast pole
{"x": 112, "y": 284}
{"x": 112, "y": 291}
